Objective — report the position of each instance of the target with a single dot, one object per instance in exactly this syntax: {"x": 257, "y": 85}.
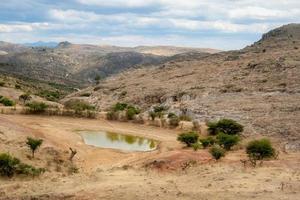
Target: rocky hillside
{"x": 258, "y": 86}
{"x": 78, "y": 65}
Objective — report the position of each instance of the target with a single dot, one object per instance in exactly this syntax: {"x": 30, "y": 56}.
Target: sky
{"x": 220, "y": 24}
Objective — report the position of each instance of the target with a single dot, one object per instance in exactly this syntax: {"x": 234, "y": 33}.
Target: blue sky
{"x": 222, "y": 24}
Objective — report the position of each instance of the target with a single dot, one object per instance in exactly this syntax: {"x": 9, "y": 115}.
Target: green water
{"x": 118, "y": 141}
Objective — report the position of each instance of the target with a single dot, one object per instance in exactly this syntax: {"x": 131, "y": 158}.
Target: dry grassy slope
{"x": 258, "y": 86}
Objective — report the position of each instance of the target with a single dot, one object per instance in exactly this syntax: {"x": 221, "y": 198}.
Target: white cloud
{"x": 7, "y": 28}
{"x": 22, "y": 27}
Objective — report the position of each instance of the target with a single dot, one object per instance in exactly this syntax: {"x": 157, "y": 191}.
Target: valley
{"x": 87, "y": 122}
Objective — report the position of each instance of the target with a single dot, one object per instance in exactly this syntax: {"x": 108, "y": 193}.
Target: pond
{"x": 118, "y": 141}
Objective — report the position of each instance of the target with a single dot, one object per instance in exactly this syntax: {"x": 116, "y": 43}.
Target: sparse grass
{"x": 78, "y": 105}
{"x": 37, "y": 107}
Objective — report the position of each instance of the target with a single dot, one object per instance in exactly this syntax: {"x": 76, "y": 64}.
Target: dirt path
{"x": 103, "y": 175}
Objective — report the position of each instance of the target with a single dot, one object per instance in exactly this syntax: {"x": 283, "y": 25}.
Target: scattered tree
{"x": 34, "y": 144}
{"x": 260, "y": 149}
{"x": 209, "y": 141}
{"x": 227, "y": 141}
{"x": 227, "y": 126}
{"x": 25, "y": 97}
{"x": 188, "y": 138}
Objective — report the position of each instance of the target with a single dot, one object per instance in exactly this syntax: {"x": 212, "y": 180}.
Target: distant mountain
{"x": 41, "y": 44}
{"x": 79, "y": 64}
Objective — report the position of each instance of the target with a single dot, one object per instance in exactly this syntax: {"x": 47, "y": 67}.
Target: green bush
{"x": 29, "y": 170}
{"x": 78, "y": 105}
{"x": 196, "y": 146}
{"x": 227, "y": 141}
{"x": 217, "y": 152}
{"x": 2, "y": 84}
{"x": 33, "y": 144}
{"x": 174, "y": 121}
{"x": 6, "y": 101}
{"x": 37, "y": 107}
{"x": 170, "y": 115}
{"x": 260, "y": 149}
{"x": 131, "y": 112}
{"x": 227, "y": 126}
{"x": 207, "y": 141}
{"x": 10, "y": 166}
{"x": 119, "y": 107}
{"x": 158, "y": 109}
{"x": 50, "y": 95}
{"x": 188, "y": 138}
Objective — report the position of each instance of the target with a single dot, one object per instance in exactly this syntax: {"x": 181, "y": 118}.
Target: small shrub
{"x": 196, "y": 125}
{"x": 29, "y": 170}
{"x": 152, "y": 115}
{"x": 227, "y": 126}
{"x": 159, "y": 109}
{"x": 227, "y": 141}
{"x": 2, "y": 84}
{"x": 260, "y": 149}
{"x": 6, "y": 101}
{"x": 119, "y": 106}
{"x": 217, "y": 152}
{"x": 10, "y": 166}
{"x": 25, "y": 97}
{"x": 78, "y": 105}
{"x": 185, "y": 118}
{"x": 174, "y": 121}
{"x": 131, "y": 112}
{"x": 37, "y": 107}
{"x": 209, "y": 141}
{"x": 85, "y": 94}
{"x": 111, "y": 115}
{"x": 18, "y": 86}
{"x": 170, "y": 115}
{"x": 188, "y": 138}
{"x": 196, "y": 146}
{"x": 33, "y": 144}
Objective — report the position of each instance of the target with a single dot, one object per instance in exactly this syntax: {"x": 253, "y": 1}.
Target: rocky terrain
{"x": 78, "y": 65}
{"x": 258, "y": 86}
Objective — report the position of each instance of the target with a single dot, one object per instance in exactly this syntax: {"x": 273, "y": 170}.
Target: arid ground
{"x": 170, "y": 172}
